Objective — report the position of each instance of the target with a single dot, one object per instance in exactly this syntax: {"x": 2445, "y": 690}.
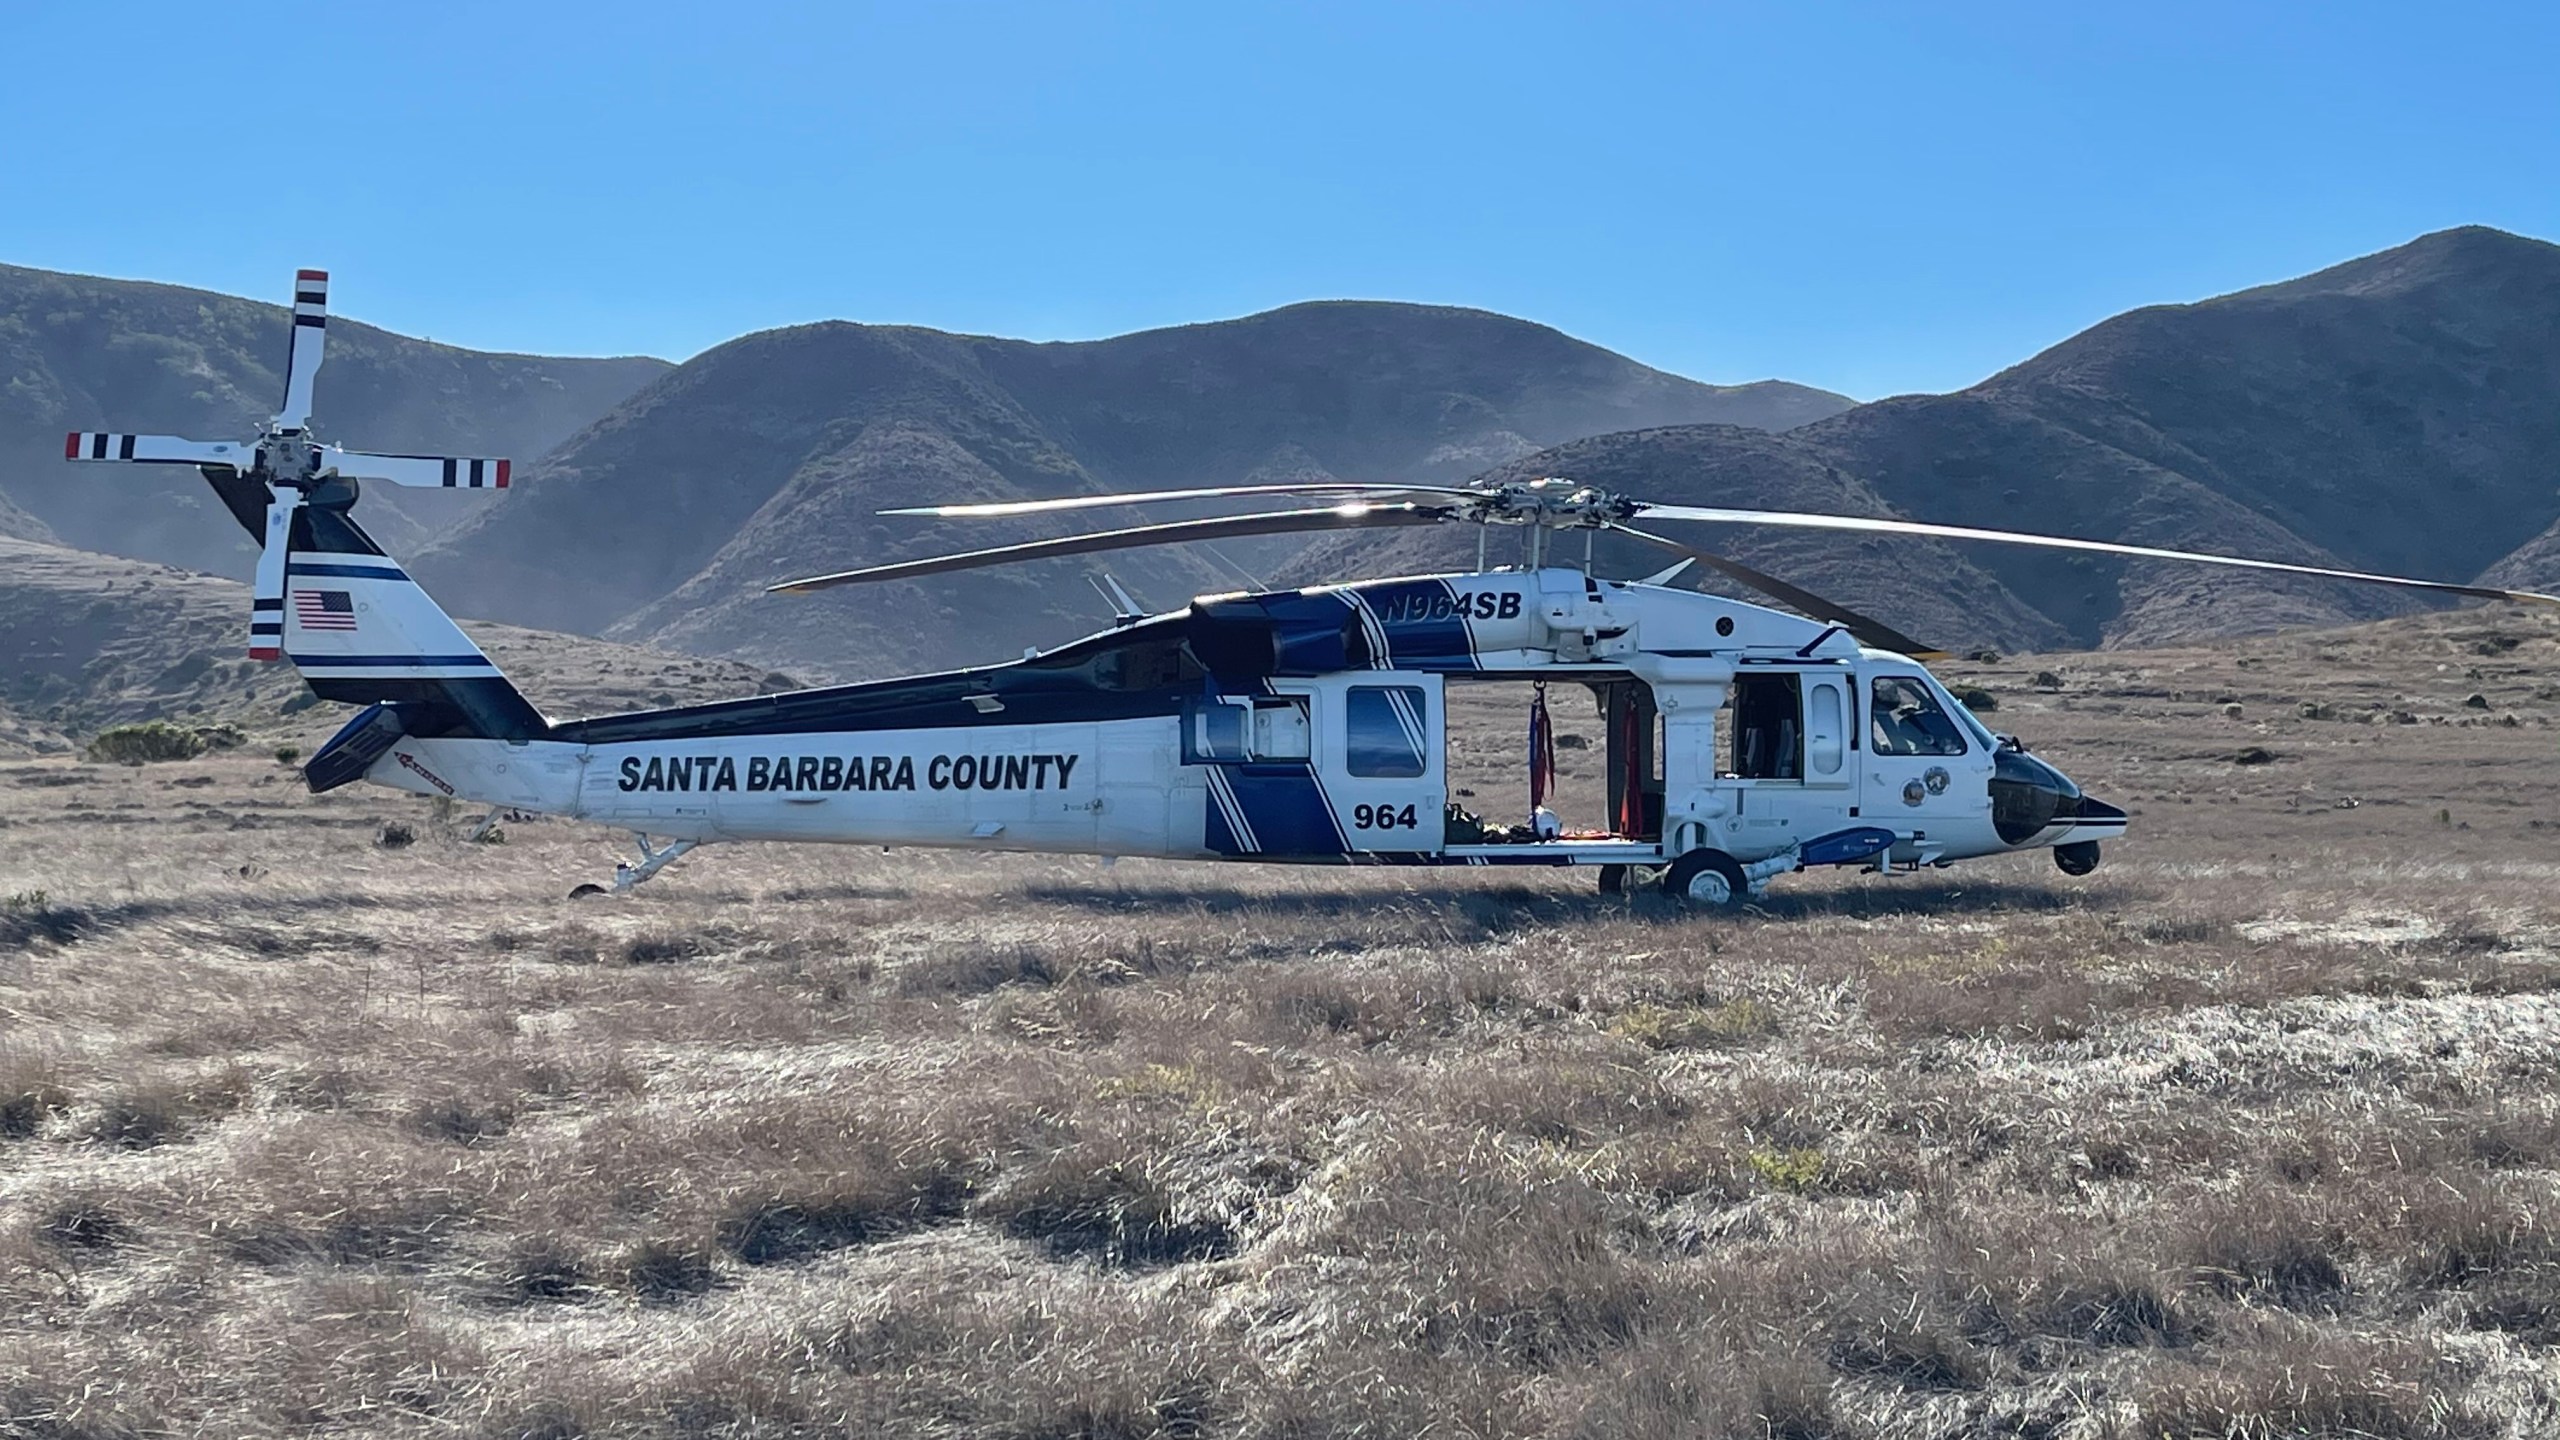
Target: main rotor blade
{"x": 302, "y": 357}
{"x": 155, "y": 449}
{"x": 1225, "y": 527}
{"x": 1348, "y": 490}
{"x": 1864, "y": 525}
{"x": 1865, "y": 630}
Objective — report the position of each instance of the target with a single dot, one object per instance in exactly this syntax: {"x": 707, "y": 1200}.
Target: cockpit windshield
{"x": 1964, "y": 713}
{"x": 1908, "y": 720}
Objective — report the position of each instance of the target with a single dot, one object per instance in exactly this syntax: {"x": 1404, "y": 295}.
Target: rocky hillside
{"x": 767, "y": 458}
{"x": 2400, "y": 412}
{"x": 82, "y": 353}
{"x": 2397, "y": 412}
{"x": 95, "y": 640}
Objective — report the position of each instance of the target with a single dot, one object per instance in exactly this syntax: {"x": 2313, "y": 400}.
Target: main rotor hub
{"x": 1553, "y": 502}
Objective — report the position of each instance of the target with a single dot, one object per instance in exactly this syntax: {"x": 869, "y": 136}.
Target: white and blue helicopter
{"x": 1291, "y": 726}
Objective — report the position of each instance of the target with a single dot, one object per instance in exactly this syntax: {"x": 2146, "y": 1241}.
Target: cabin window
{"x": 1767, "y": 728}
{"x": 1280, "y": 729}
{"x": 1824, "y": 728}
{"x": 1220, "y": 732}
{"x": 1238, "y": 732}
{"x": 1909, "y": 721}
{"x": 1387, "y": 728}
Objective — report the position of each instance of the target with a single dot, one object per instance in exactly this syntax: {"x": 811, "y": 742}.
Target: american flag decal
{"x": 323, "y": 610}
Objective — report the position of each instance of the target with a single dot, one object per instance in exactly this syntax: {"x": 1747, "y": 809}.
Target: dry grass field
{"x": 2253, "y": 1133}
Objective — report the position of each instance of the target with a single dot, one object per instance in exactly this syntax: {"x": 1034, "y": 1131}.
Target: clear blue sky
{"x": 1874, "y": 198}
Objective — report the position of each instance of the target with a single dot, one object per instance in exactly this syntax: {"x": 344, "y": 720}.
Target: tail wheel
{"x": 1707, "y": 878}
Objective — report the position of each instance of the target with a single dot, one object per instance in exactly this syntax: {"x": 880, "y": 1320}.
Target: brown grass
{"x": 2254, "y": 1133}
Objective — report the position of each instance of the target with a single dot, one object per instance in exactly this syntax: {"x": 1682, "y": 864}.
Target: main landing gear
{"x": 627, "y": 875}
{"x": 1705, "y": 879}
{"x": 1709, "y": 879}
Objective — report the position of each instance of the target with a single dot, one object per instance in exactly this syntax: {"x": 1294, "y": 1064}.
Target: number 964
{"x": 1382, "y": 817}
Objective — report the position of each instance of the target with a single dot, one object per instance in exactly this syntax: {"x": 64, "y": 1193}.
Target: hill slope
{"x": 2399, "y": 412}
{"x": 96, "y": 640}
{"x": 767, "y": 457}
{"x": 82, "y": 353}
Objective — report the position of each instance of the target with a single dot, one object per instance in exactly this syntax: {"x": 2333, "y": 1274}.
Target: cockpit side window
{"x": 1908, "y": 720}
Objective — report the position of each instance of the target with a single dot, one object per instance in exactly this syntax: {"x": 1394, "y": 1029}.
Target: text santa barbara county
{"x": 846, "y": 772}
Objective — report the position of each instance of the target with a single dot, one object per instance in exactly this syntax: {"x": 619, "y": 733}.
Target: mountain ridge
{"x": 2394, "y": 412}
{"x": 766, "y": 457}
{"x": 80, "y": 352}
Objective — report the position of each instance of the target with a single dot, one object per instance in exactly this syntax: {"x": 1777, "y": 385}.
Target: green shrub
{"x": 1795, "y": 1170}
{"x": 150, "y": 741}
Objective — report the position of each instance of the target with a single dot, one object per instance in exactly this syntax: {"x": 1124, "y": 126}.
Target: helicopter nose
{"x": 2028, "y": 797}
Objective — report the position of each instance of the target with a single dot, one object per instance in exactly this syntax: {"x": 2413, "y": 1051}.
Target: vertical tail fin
{"x": 361, "y": 631}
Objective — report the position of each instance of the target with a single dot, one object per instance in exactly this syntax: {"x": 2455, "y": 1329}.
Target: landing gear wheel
{"x": 2078, "y": 858}
{"x": 1613, "y": 879}
{"x": 583, "y": 891}
{"x": 1709, "y": 879}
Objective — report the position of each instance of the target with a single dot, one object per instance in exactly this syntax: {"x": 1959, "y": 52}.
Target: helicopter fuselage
{"x": 1312, "y": 726}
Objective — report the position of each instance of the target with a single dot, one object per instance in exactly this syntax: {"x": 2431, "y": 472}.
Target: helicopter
{"x": 1310, "y": 725}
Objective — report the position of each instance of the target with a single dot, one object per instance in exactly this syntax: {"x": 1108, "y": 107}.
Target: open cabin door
{"x": 1323, "y": 767}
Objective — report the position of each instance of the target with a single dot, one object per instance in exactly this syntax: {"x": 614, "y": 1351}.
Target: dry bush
{"x": 1560, "y": 1091}
{"x": 2271, "y": 1246}
{"x": 160, "y": 1108}
{"x": 1670, "y": 1389}
{"x": 2282, "y": 1376}
{"x": 1473, "y": 1250}
{"x": 1112, "y": 1203}
{"x": 1696, "y": 1024}
{"x": 32, "y": 1094}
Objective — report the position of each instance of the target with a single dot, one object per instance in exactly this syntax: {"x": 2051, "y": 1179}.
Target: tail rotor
{"x": 291, "y": 468}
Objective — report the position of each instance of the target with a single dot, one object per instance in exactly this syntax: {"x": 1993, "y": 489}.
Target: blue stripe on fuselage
{"x": 1284, "y": 807}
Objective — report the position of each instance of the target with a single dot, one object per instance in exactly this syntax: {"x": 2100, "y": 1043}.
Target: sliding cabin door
{"x": 1323, "y": 767}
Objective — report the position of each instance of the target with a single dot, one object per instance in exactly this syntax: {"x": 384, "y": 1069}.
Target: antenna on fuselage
{"x": 1125, "y": 610}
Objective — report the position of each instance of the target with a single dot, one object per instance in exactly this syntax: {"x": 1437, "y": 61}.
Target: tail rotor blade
{"x": 266, "y": 593}
{"x": 1873, "y": 526}
{"x": 310, "y": 338}
{"x": 1284, "y": 522}
{"x": 1340, "y": 490}
{"x": 427, "y": 471}
{"x": 1865, "y": 629}
{"x": 155, "y": 449}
